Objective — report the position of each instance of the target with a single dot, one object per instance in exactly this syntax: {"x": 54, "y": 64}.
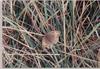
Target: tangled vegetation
{"x": 25, "y": 22}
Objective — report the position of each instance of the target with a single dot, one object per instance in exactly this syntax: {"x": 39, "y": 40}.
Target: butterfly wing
{"x": 50, "y": 39}
{"x": 45, "y": 43}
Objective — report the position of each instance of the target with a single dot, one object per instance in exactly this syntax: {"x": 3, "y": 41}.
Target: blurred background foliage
{"x": 26, "y": 21}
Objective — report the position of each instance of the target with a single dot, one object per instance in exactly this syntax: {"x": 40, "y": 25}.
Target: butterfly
{"x": 50, "y": 39}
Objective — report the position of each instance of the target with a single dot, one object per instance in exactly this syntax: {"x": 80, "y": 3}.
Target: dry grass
{"x": 25, "y": 22}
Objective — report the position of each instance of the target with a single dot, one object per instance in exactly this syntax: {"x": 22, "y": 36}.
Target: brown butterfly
{"x": 50, "y": 38}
